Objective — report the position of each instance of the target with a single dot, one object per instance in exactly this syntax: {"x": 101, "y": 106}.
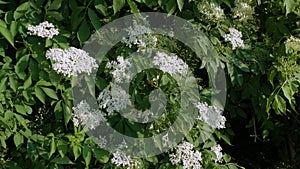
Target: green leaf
{"x": 3, "y": 84}
{"x": 171, "y": 7}
{"x": 272, "y": 75}
{"x": 67, "y": 114}
{"x": 63, "y": 160}
{"x": 281, "y": 103}
{"x": 55, "y": 5}
{"x": 180, "y": 4}
{"x": 101, "y": 7}
{"x": 101, "y": 155}
{"x": 118, "y": 5}
{"x": 87, "y": 155}
{"x": 289, "y": 6}
{"x": 50, "y": 92}
{"x": 288, "y": 93}
{"x": 83, "y": 32}
{"x": 94, "y": 19}
{"x": 7, "y": 35}
{"x": 21, "y": 10}
{"x": 27, "y": 83}
{"x": 20, "y": 108}
{"x": 62, "y": 148}
{"x": 133, "y": 6}
{"x": 18, "y": 140}
{"x": 40, "y": 94}
{"x": 21, "y": 66}
{"x": 76, "y": 150}
{"x": 52, "y": 147}
{"x": 14, "y": 28}
{"x": 232, "y": 166}
{"x": 56, "y": 15}
{"x": 13, "y": 83}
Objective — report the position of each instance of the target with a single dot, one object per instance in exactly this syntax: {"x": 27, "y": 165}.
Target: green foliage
{"x": 36, "y": 130}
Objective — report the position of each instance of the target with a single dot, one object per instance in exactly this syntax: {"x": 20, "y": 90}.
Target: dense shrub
{"x": 257, "y": 43}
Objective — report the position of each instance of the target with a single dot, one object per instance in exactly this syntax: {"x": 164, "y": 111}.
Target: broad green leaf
{"x": 180, "y": 4}
{"x": 288, "y": 93}
{"x": 76, "y": 151}
{"x": 3, "y": 143}
{"x": 101, "y": 155}
{"x": 271, "y": 76}
{"x": 21, "y": 66}
{"x": 13, "y": 28}
{"x": 118, "y": 5}
{"x": 20, "y": 108}
{"x": 13, "y": 83}
{"x": 3, "y": 2}
{"x": 7, "y": 35}
{"x": 27, "y": 83}
{"x": 281, "y": 103}
{"x": 83, "y": 32}
{"x": 87, "y": 155}
{"x": 56, "y": 4}
{"x": 40, "y": 94}
{"x": 101, "y": 7}
{"x": 56, "y": 15}
{"x": 3, "y": 84}
{"x": 62, "y": 148}
{"x": 18, "y": 140}
{"x": 67, "y": 114}
{"x": 50, "y": 92}
{"x": 21, "y": 10}
{"x": 63, "y": 160}
{"x": 94, "y": 19}
{"x": 289, "y": 6}
{"x": 171, "y": 7}
{"x": 52, "y": 147}
{"x": 133, "y": 6}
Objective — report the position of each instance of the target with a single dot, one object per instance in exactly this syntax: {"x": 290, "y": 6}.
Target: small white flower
{"x": 235, "y": 38}
{"x": 120, "y": 70}
{"x": 243, "y": 10}
{"x": 211, "y": 10}
{"x": 165, "y": 140}
{"x": 71, "y": 61}
{"x": 170, "y": 64}
{"x": 217, "y": 150}
{"x": 186, "y": 155}
{"x": 113, "y": 99}
{"x": 102, "y": 142}
{"x": 140, "y": 36}
{"x": 44, "y": 30}
{"x": 85, "y": 115}
{"x": 120, "y": 158}
{"x": 211, "y": 115}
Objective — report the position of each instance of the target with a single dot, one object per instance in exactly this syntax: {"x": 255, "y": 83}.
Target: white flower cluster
{"x": 139, "y": 35}
{"x": 235, "y": 38}
{"x": 186, "y": 155}
{"x": 71, "y": 61}
{"x": 243, "y": 10}
{"x": 85, "y": 115}
{"x": 211, "y": 10}
{"x": 170, "y": 64}
{"x": 217, "y": 150}
{"x": 120, "y": 158}
{"x": 211, "y": 115}
{"x": 44, "y": 30}
{"x": 292, "y": 39}
{"x": 292, "y": 44}
{"x": 120, "y": 70}
{"x": 113, "y": 99}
